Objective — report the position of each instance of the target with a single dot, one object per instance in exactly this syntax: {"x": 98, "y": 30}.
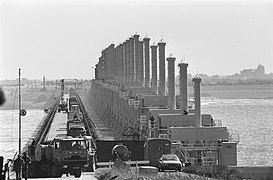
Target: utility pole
{"x": 19, "y": 111}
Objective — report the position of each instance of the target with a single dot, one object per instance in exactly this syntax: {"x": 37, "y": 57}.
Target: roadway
{"x": 58, "y": 126}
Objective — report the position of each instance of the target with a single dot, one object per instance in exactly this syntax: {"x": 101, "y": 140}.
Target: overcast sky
{"x": 63, "y": 39}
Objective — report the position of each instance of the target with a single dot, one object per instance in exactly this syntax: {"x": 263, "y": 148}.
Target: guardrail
{"x": 46, "y": 125}
{"x": 91, "y": 127}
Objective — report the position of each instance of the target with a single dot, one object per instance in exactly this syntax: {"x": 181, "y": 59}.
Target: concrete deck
{"x": 58, "y": 126}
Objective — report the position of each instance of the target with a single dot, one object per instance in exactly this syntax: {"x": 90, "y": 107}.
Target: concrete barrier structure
{"x": 183, "y": 87}
{"x": 141, "y": 65}
{"x": 162, "y": 76}
{"x": 136, "y": 58}
{"x": 171, "y": 83}
{"x": 197, "y": 101}
{"x": 135, "y": 110}
{"x": 147, "y": 61}
{"x": 154, "y": 68}
{"x": 198, "y": 133}
{"x": 131, "y": 60}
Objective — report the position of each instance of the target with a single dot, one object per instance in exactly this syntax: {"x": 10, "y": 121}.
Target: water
{"x": 9, "y": 129}
{"x": 251, "y": 118}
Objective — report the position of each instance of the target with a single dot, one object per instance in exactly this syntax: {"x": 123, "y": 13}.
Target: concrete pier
{"x": 197, "y": 101}
{"x": 123, "y": 61}
{"x": 147, "y": 61}
{"x": 136, "y": 58}
{"x": 171, "y": 83}
{"x": 183, "y": 86}
{"x": 127, "y": 67}
{"x": 154, "y": 68}
{"x": 162, "y": 76}
{"x": 131, "y": 59}
{"x": 141, "y": 65}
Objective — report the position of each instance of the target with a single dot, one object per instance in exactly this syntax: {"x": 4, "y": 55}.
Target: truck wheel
{"x": 78, "y": 173}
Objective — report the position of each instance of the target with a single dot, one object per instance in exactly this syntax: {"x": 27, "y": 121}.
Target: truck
{"x": 63, "y": 156}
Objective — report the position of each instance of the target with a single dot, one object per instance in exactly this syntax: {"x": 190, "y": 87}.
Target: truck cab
{"x": 72, "y": 154}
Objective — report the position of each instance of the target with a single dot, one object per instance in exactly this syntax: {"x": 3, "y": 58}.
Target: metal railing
{"x": 217, "y": 122}
{"x": 233, "y": 137}
{"x": 47, "y": 123}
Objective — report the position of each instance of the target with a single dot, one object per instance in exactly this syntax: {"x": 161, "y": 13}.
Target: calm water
{"x": 251, "y": 118}
{"x": 9, "y": 129}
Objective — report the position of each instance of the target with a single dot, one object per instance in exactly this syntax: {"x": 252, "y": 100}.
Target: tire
{"x": 179, "y": 169}
{"x": 78, "y": 173}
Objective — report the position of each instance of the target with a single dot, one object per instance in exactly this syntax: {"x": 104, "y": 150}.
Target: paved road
{"x": 84, "y": 176}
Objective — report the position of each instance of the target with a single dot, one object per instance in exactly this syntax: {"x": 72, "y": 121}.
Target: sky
{"x": 64, "y": 38}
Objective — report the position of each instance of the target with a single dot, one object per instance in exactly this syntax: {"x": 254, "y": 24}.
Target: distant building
{"x": 253, "y": 73}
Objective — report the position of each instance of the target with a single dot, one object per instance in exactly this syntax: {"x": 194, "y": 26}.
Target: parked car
{"x": 169, "y": 162}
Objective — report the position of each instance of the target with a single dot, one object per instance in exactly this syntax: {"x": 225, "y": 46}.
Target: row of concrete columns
{"x": 130, "y": 61}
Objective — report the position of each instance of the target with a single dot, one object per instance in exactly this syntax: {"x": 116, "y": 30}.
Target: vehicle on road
{"x": 169, "y": 162}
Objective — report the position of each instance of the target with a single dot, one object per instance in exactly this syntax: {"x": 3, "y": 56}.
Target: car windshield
{"x": 73, "y": 145}
{"x": 169, "y": 157}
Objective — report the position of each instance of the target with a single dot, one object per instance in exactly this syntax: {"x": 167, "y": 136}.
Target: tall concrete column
{"x": 197, "y": 101}
{"x": 183, "y": 87}
{"x": 147, "y": 61}
{"x": 162, "y": 76}
{"x": 131, "y": 59}
{"x": 118, "y": 67}
{"x": 120, "y": 63}
{"x": 127, "y": 63}
{"x": 154, "y": 68}
{"x": 116, "y": 54}
{"x": 171, "y": 82}
{"x": 141, "y": 67}
{"x": 123, "y": 61}
{"x": 136, "y": 58}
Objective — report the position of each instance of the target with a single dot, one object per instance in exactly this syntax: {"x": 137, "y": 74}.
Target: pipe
{"x": 183, "y": 87}
{"x": 162, "y": 76}
{"x": 147, "y": 61}
{"x": 154, "y": 68}
{"x": 197, "y": 101}
{"x": 171, "y": 84}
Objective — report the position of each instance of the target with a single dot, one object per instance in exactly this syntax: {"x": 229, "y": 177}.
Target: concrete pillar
{"x": 162, "y": 76}
{"x": 147, "y": 61}
{"x": 154, "y": 68}
{"x": 123, "y": 61}
{"x": 136, "y": 58}
{"x": 127, "y": 64}
{"x": 197, "y": 101}
{"x": 118, "y": 65}
{"x": 115, "y": 63}
{"x": 183, "y": 87}
{"x": 141, "y": 65}
{"x": 131, "y": 59}
{"x": 171, "y": 83}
